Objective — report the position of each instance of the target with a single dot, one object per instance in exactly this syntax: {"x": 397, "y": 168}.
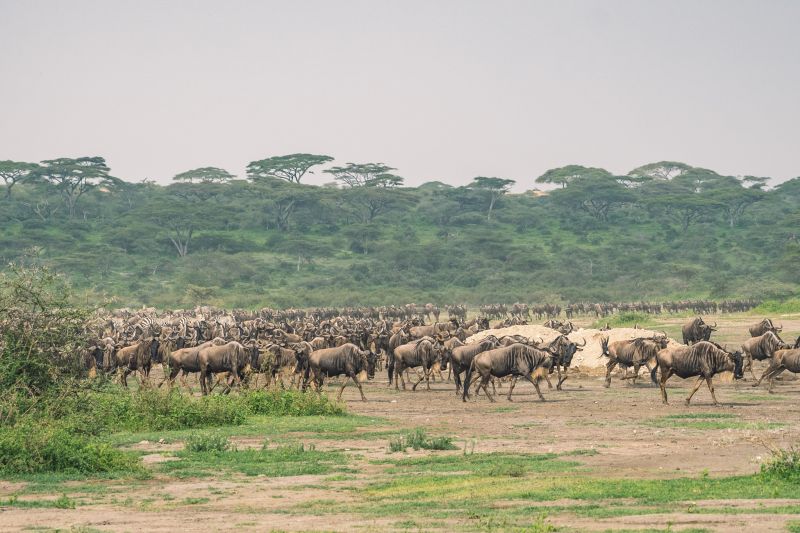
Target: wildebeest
{"x": 278, "y": 361}
{"x": 231, "y": 357}
{"x": 348, "y": 360}
{"x": 761, "y": 348}
{"x": 424, "y": 352}
{"x": 563, "y": 351}
{"x": 461, "y": 357}
{"x": 401, "y": 337}
{"x": 783, "y": 359}
{"x": 137, "y": 357}
{"x": 697, "y": 330}
{"x": 764, "y": 326}
{"x": 703, "y": 359}
{"x": 631, "y": 353}
{"x": 517, "y": 360}
{"x": 186, "y": 361}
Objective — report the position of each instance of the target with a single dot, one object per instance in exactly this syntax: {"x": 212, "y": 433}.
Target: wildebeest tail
{"x": 653, "y": 373}
{"x": 390, "y": 365}
{"x": 467, "y": 380}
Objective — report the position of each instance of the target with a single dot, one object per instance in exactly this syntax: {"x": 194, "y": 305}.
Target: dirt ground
{"x": 621, "y": 424}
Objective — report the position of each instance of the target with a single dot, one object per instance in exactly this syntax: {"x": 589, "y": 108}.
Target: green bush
{"x": 419, "y": 440}
{"x": 207, "y": 442}
{"x": 624, "y": 320}
{"x": 113, "y": 409}
{"x": 783, "y": 464}
{"x": 289, "y": 403}
{"x": 33, "y": 447}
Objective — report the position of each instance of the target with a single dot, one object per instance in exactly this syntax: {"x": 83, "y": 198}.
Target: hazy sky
{"x": 442, "y": 90}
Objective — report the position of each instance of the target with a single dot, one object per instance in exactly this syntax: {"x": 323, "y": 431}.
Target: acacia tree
{"x": 565, "y": 175}
{"x": 663, "y": 170}
{"x": 205, "y": 175}
{"x": 597, "y": 195}
{"x": 74, "y": 177}
{"x": 733, "y": 196}
{"x": 13, "y": 172}
{"x": 290, "y": 167}
{"x": 494, "y": 188}
{"x": 365, "y": 174}
{"x": 282, "y": 199}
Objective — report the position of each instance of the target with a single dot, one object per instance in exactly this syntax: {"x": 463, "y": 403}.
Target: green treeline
{"x": 663, "y": 231}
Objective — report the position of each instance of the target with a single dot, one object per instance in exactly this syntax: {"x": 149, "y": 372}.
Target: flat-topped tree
{"x": 366, "y": 175}
{"x": 205, "y": 175}
{"x": 290, "y": 167}
{"x": 663, "y": 170}
{"x": 74, "y": 177}
{"x": 493, "y": 187}
{"x": 13, "y": 172}
{"x": 565, "y": 175}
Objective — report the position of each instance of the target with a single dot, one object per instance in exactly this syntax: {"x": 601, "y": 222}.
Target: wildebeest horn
{"x": 584, "y": 342}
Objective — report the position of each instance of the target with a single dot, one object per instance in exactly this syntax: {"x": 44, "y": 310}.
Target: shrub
{"x": 207, "y": 442}
{"x": 783, "y": 464}
{"x": 291, "y": 403}
{"x": 419, "y": 440}
{"x": 35, "y": 447}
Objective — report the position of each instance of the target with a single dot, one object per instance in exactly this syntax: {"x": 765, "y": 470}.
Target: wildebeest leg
{"x": 636, "y": 368}
{"x": 771, "y": 368}
{"x": 535, "y": 383}
{"x": 424, "y": 376}
{"x": 561, "y": 380}
{"x": 772, "y": 379}
{"x": 609, "y": 367}
{"x": 341, "y": 390}
{"x": 710, "y": 384}
{"x": 511, "y": 388}
{"x": 662, "y": 384}
{"x": 457, "y": 379}
{"x": 696, "y": 386}
{"x": 124, "y": 377}
{"x": 203, "y": 384}
{"x": 363, "y": 398}
{"x": 484, "y": 382}
{"x": 749, "y": 366}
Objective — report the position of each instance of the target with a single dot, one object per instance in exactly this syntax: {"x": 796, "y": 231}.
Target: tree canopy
{"x": 290, "y": 167}
{"x": 204, "y": 175}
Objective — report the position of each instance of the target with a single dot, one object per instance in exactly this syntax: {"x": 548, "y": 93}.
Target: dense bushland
{"x": 662, "y": 231}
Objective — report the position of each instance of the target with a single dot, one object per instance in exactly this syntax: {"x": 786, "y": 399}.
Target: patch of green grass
{"x": 277, "y": 427}
{"x": 40, "y": 447}
{"x": 583, "y": 451}
{"x": 709, "y": 421}
{"x": 625, "y": 320}
{"x": 62, "y": 502}
{"x": 448, "y": 486}
{"x": 793, "y": 526}
{"x": 207, "y": 442}
{"x": 272, "y": 462}
{"x": 419, "y": 440}
{"x": 505, "y": 409}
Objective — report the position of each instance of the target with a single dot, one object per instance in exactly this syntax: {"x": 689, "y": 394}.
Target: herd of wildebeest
{"x": 308, "y": 346}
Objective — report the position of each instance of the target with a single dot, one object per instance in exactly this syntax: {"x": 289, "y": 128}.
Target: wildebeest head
{"x": 155, "y": 353}
{"x": 371, "y": 359}
{"x": 738, "y": 370}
